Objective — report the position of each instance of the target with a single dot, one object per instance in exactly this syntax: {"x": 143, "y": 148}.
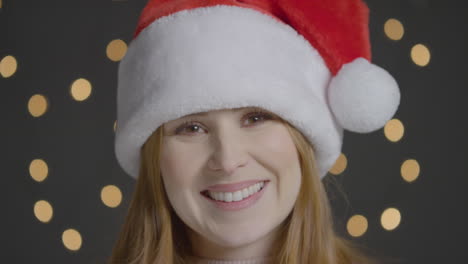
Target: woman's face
{"x": 232, "y": 175}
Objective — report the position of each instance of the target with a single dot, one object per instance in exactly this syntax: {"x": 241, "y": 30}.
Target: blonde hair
{"x": 152, "y": 233}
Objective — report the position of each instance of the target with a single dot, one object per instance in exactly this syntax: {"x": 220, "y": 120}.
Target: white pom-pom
{"x": 363, "y": 96}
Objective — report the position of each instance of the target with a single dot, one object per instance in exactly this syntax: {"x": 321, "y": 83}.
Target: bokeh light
{"x": 357, "y": 225}
{"x": 410, "y": 170}
{"x": 8, "y": 66}
{"x": 390, "y": 219}
{"x": 420, "y": 55}
{"x": 116, "y": 49}
{"x": 340, "y": 165}
{"x": 71, "y": 239}
{"x": 80, "y": 89}
{"x": 394, "y": 130}
{"x": 394, "y": 29}
{"x": 111, "y": 196}
{"x": 38, "y": 105}
{"x": 43, "y": 211}
{"x": 38, "y": 170}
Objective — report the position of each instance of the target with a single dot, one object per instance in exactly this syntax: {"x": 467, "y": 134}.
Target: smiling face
{"x": 232, "y": 176}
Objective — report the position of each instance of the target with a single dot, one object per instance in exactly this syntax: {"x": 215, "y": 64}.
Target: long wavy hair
{"x": 152, "y": 233}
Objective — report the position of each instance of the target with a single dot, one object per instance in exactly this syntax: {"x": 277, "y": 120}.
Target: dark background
{"x": 56, "y": 42}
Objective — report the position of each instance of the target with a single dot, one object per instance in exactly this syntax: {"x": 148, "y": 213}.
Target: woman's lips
{"x": 232, "y": 187}
{"x": 237, "y": 205}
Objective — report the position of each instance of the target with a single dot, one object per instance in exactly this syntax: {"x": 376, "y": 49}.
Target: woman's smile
{"x": 237, "y": 197}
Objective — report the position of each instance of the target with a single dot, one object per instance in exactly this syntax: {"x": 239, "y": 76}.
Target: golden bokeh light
{"x": 390, "y": 218}
{"x": 38, "y": 170}
{"x": 37, "y": 105}
{"x": 357, "y": 225}
{"x": 410, "y": 170}
{"x": 115, "y": 125}
{"x": 71, "y": 239}
{"x": 420, "y": 55}
{"x": 43, "y": 211}
{"x": 8, "y": 66}
{"x": 116, "y": 49}
{"x": 394, "y": 130}
{"x": 111, "y": 196}
{"x": 80, "y": 89}
{"x": 394, "y": 29}
{"x": 340, "y": 165}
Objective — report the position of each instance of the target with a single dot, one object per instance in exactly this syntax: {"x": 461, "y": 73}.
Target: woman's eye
{"x": 191, "y": 127}
{"x": 258, "y": 116}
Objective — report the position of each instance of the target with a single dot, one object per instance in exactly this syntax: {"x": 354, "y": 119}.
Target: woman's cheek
{"x": 277, "y": 142}
{"x": 179, "y": 165}
{"x": 172, "y": 173}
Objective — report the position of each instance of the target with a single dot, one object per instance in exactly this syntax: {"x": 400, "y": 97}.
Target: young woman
{"x": 230, "y": 113}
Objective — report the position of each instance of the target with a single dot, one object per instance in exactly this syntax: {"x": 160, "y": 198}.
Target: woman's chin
{"x": 236, "y": 240}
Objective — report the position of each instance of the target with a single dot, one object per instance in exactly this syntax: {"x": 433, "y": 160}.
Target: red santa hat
{"x": 307, "y": 61}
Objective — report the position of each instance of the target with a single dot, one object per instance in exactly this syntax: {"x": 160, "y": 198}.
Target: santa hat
{"x": 308, "y": 61}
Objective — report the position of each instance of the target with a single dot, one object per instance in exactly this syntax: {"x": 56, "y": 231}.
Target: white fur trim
{"x": 222, "y": 57}
{"x": 363, "y": 96}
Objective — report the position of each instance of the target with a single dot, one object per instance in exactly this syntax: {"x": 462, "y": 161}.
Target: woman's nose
{"x": 229, "y": 153}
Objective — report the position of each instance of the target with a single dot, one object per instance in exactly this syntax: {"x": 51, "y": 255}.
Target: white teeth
{"x": 251, "y": 190}
{"x": 245, "y": 192}
{"x": 237, "y": 195}
{"x": 228, "y": 197}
